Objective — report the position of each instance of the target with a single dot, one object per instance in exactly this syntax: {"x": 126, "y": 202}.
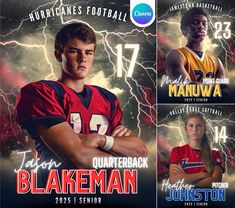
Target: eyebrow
{"x": 77, "y": 49}
{"x": 199, "y": 19}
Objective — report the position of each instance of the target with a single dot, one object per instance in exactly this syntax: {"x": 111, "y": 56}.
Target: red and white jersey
{"x": 191, "y": 159}
{"x": 95, "y": 110}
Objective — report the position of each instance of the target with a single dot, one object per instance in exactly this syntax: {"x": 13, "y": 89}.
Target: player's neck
{"x": 77, "y": 85}
{"x": 195, "y": 144}
{"x": 195, "y": 46}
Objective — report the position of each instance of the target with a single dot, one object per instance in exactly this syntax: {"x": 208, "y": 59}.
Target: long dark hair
{"x": 206, "y": 151}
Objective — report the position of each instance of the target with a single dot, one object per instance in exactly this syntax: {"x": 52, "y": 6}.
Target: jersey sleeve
{"x": 116, "y": 116}
{"x": 37, "y": 102}
{"x": 217, "y": 159}
{"x": 175, "y": 156}
{"x": 182, "y": 54}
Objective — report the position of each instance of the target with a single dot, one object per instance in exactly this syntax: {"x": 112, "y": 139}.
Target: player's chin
{"x": 199, "y": 38}
{"x": 196, "y": 138}
{"x": 79, "y": 75}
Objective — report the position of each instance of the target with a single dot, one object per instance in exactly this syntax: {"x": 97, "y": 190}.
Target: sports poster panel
{"x": 158, "y": 100}
{"x": 195, "y": 65}
{"x": 195, "y": 138}
{"x": 124, "y": 68}
{"x": 173, "y": 137}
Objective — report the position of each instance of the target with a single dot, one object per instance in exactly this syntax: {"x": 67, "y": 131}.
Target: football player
{"x": 69, "y": 120}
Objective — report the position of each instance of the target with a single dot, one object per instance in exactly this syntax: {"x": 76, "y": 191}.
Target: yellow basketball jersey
{"x": 198, "y": 68}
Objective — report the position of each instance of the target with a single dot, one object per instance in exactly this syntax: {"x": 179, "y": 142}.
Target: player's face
{"x": 195, "y": 128}
{"x": 77, "y": 58}
{"x": 197, "y": 30}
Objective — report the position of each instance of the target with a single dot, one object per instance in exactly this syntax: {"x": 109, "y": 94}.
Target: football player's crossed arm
{"x": 126, "y": 143}
{"x": 175, "y": 66}
{"x": 68, "y": 146}
{"x": 176, "y": 173}
{"x": 216, "y": 176}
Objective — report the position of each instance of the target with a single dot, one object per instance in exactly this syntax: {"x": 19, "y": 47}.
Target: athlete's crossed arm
{"x": 78, "y": 150}
{"x": 176, "y": 173}
{"x": 126, "y": 143}
{"x": 216, "y": 176}
{"x": 175, "y": 66}
{"x": 67, "y": 145}
{"x": 200, "y": 179}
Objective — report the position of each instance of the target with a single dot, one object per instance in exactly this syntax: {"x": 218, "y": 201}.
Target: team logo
{"x": 187, "y": 164}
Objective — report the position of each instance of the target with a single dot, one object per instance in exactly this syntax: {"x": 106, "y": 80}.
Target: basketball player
{"x": 191, "y": 61}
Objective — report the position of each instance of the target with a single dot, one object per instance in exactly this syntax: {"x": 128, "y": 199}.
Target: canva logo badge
{"x": 142, "y": 14}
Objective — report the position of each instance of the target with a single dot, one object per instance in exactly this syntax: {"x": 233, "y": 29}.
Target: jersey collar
{"x": 192, "y": 52}
{"x": 85, "y": 96}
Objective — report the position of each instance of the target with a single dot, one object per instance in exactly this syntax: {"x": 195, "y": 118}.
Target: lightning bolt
{"x": 6, "y": 97}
